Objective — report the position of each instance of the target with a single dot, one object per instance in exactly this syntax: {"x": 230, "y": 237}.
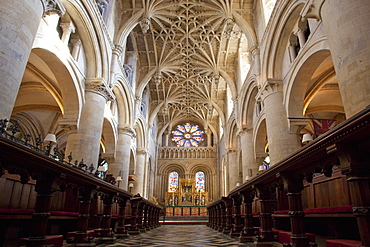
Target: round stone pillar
{"x": 350, "y": 48}
{"x": 281, "y": 141}
{"x": 233, "y": 169}
{"x": 250, "y": 166}
{"x": 85, "y": 142}
{"x": 122, "y": 165}
{"x": 140, "y": 170}
{"x": 19, "y": 23}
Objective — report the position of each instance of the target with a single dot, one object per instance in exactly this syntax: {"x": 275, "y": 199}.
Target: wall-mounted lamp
{"x": 130, "y": 185}
{"x": 119, "y": 180}
{"x": 247, "y": 178}
{"x": 306, "y": 138}
{"x": 261, "y": 168}
{"x": 237, "y": 184}
{"x": 51, "y": 138}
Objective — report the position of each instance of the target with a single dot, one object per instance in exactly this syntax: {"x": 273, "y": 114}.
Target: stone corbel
{"x": 53, "y": 6}
{"x": 312, "y": 9}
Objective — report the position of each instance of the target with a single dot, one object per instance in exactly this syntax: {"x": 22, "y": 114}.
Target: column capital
{"x": 243, "y": 131}
{"x": 127, "y": 131}
{"x": 141, "y": 151}
{"x": 270, "y": 87}
{"x": 53, "y": 6}
{"x": 99, "y": 86}
{"x": 312, "y": 9}
{"x": 117, "y": 50}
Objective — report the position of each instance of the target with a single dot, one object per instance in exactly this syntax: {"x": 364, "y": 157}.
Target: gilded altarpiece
{"x": 186, "y": 195}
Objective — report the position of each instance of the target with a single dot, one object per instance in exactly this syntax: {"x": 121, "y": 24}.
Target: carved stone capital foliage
{"x": 269, "y": 87}
{"x": 99, "y": 86}
{"x": 244, "y": 131}
{"x": 141, "y": 151}
{"x": 312, "y": 9}
{"x": 127, "y": 131}
{"x": 53, "y": 6}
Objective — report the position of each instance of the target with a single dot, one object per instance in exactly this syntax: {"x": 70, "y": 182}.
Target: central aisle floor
{"x": 179, "y": 235}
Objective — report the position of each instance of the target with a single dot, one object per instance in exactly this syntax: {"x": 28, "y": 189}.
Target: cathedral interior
{"x": 253, "y": 114}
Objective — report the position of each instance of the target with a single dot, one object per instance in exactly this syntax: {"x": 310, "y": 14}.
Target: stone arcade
{"x": 117, "y": 113}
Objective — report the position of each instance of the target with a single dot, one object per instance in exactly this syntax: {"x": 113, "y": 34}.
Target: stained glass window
{"x": 200, "y": 182}
{"x": 173, "y": 182}
{"x": 187, "y": 135}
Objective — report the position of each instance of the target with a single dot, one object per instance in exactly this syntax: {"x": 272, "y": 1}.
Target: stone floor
{"x": 183, "y": 235}
{"x": 179, "y": 235}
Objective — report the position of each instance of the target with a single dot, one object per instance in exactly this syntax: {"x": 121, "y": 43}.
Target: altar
{"x": 187, "y": 194}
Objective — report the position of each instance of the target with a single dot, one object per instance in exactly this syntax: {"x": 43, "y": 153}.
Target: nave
{"x": 179, "y": 235}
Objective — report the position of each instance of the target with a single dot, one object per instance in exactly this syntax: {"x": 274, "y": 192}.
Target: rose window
{"x": 187, "y": 135}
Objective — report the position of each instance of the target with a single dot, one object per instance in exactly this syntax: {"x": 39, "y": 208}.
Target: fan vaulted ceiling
{"x": 187, "y": 51}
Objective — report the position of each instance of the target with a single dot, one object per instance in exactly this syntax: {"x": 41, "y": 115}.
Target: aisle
{"x": 179, "y": 235}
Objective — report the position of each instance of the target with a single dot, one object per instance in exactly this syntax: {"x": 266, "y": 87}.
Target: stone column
{"x": 76, "y": 47}
{"x": 250, "y": 166}
{"x": 233, "y": 169}
{"x": 19, "y": 23}
{"x": 68, "y": 29}
{"x": 140, "y": 169}
{"x": 281, "y": 141}
{"x": 85, "y": 143}
{"x": 294, "y": 185}
{"x": 122, "y": 165}
{"x": 349, "y": 47}
{"x": 247, "y": 234}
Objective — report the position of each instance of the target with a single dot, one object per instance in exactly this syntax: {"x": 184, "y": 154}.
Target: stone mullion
{"x": 235, "y": 231}
{"x": 247, "y": 234}
{"x": 228, "y": 223}
{"x": 121, "y": 230}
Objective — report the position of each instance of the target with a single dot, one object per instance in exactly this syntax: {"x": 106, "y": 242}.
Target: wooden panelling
{"x": 326, "y": 192}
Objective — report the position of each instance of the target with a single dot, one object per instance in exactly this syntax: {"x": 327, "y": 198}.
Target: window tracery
{"x": 187, "y": 135}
